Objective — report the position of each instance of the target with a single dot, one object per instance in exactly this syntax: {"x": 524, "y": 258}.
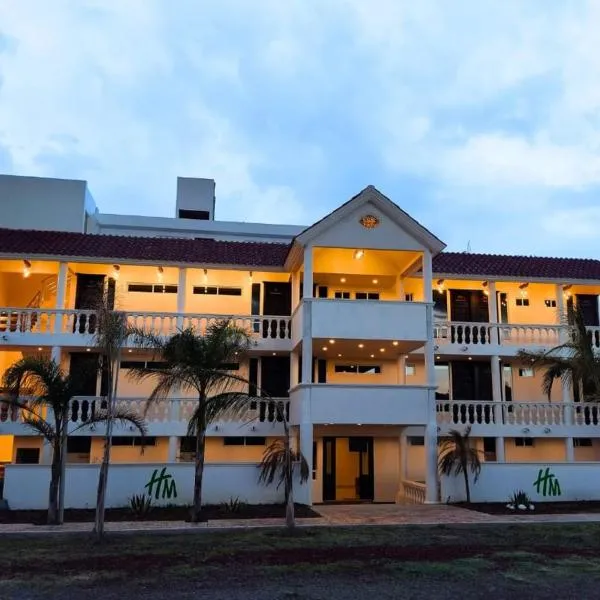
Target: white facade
{"x": 382, "y": 353}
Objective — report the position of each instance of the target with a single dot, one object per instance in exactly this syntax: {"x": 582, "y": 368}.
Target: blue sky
{"x": 480, "y": 118}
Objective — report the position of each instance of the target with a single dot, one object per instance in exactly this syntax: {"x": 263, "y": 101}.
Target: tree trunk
{"x": 290, "y": 520}
{"x": 54, "y": 484}
{"x": 467, "y": 488}
{"x": 196, "y": 515}
{"x": 63, "y": 466}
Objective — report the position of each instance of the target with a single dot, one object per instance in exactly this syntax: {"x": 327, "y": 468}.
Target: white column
{"x": 61, "y": 292}
{"x": 427, "y": 277}
{"x": 181, "y": 296}
{"x": 570, "y": 450}
{"x": 493, "y": 313}
{"x": 172, "y": 449}
{"x": 400, "y": 288}
{"x": 307, "y": 360}
{"x": 46, "y": 453}
{"x": 55, "y": 354}
{"x": 308, "y": 273}
{"x": 500, "y": 454}
{"x": 560, "y": 309}
{"x": 401, "y": 364}
{"x": 306, "y": 447}
{"x": 294, "y": 368}
{"x": 295, "y": 290}
{"x": 431, "y": 462}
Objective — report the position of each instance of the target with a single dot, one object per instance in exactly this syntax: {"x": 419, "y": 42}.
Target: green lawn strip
{"x": 511, "y": 547}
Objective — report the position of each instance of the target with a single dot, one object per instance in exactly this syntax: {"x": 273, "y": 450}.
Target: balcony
{"x": 504, "y": 338}
{"x": 163, "y": 418}
{"x": 519, "y": 418}
{"x": 361, "y": 319}
{"x": 359, "y": 404}
{"x": 41, "y": 327}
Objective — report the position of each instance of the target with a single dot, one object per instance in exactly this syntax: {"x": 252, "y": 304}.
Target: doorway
{"x": 348, "y": 473}
{"x": 277, "y": 300}
{"x": 88, "y": 295}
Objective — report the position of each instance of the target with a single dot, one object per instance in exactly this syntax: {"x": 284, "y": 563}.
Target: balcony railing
{"x": 83, "y": 408}
{"x": 24, "y": 321}
{"x": 473, "y": 412}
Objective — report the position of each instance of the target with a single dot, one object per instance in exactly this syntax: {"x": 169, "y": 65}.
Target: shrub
{"x": 233, "y": 506}
{"x": 520, "y": 500}
{"x": 140, "y": 505}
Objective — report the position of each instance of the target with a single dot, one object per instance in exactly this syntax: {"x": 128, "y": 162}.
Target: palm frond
{"x": 274, "y": 464}
{"x": 122, "y": 415}
{"x": 41, "y": 427}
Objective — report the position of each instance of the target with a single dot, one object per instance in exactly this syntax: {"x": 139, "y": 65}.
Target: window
{"x": 582, "y": 442}
{"x": 213, "y": 290}
{"x": 79, "y": 444}
{"x": 125, "y": 440}
{"x": 416, "y": 441}
{"x": 550, "y": 303}
{"x": 526, "y": 372}
{"x": 199, "y": 215}
{"x": 410, "y": 369}
{"x": 148, "y": 288}
{"x": 522, "y": 301}
{"x": 148, "y": 364}
{"x": 244, "y": 441}
{"x": 367, "y": 295}
{"x": 230, "y": 367}
{"x": 342, "y": 295}
{"x": 27, "y": 456}
{"x": 489, "y": 448}
{"x": 188, "y": 444}
{"x": 409, "y": 297}
{"x": 524, "y": 442}
{"x": 363, "y": 369}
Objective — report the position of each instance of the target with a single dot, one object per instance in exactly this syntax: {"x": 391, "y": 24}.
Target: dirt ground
{"x": 541, "y": 508}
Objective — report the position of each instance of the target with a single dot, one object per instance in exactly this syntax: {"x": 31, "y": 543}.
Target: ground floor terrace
{"x": 348, "y": 464}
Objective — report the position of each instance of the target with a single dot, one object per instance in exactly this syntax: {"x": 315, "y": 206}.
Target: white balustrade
{"x": 467, "y": 334}
{"x": 594, "y": 335}
{"x": 414, "y": 492}
{"x": 524, "y": 335}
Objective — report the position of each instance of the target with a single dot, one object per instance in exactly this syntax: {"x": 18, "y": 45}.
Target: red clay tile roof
{"x": 497, "y": 265}
{"x": 26, "y": 243}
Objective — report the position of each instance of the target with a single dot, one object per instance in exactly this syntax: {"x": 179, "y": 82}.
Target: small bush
{"x": 140, "y": 505}
{"x": 520, "y": 501}
{"x": 233, "y": 506}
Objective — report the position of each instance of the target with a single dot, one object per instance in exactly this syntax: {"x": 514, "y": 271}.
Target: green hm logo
{"x": 161, "y": 482}
{"x": 546, "y": 483}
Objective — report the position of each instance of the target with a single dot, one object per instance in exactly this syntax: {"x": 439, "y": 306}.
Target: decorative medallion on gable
{"x": 369, "y": 221}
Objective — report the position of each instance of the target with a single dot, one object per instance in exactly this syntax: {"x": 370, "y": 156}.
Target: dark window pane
{"x": 233, "y": 441}
{"x": 28, "y": 456}
{"x": 203, "y": 289}
{"x": 346, "y": 368}
{"x": 373, "y": 296}
{"x": 230, "y": 367}
{"x": 122, "y": 440}
{"x": 140, "y": 287}
{"x": 131, "y": 364}
{"x": 79, "y": 444}
{"x": 361, "y": 295}
{"x": 230, "y": 291}
{"x": 147, "y": 441}
{"x": 369, "y": 369}
{"x": 198, "y": 215}
{"x": 188, "y": 444}
{"x": 416, "y": 441}
{"x": 256, "y": 441}
{"x": 165, "y": 289}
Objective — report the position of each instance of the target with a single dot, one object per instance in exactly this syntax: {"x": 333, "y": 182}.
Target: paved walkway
{"x": 331, "y": 515}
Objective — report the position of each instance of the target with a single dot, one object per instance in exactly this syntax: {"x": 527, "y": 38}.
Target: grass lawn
{"x": 459, "y": 559}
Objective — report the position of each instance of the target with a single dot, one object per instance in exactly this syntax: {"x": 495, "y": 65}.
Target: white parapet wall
{"x": 543, "y": 482}
{"x": 26, "y": 486}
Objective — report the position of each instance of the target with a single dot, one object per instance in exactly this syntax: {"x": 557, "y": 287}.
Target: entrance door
{"x": 328, "y": 469}
{"x": 277, "y": 301}
{"x": 83, "y": 368}
{"x": 88, "y": 294}
{"x": 365, "y": 483}
{"x": 588, "y": 305}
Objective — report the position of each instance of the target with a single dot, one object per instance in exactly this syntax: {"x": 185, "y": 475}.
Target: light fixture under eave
{"x": 160, "y": 274}
{"x": 332, "y": 341}
{"x": 26, "y": 269}
{"x": 440, "y": 285}
{"x": 358, "y": 254}
{"x": 250, "y": 276}
{"x": 324, "y": 348}
{"x": 115, "y": 272}
{"x": 394, "y": 343}
{"x": 342, "y": 280}
{"x": 486, "y": 290}
{"x": 205, "y": 276}
{"x": 375, "y": 281}
{"x": 361, "y": 345}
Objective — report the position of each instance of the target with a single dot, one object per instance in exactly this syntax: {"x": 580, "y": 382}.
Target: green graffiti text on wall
{"x": 162, "y": 485}
{"x": 546, "y": 483}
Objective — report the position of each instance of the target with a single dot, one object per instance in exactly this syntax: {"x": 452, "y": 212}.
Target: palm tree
{"x": 277, "y": 465}
{"x": 198, "y": 363}
{"x": 458, "y": 456}
{"x": 47, "y": 413}
{"x": 574, "y": 362}
{"x": 111, "y": 334}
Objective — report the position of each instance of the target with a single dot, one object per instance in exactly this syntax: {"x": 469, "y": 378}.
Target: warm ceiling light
{"x": 332, "y": 341}
{"x": 205, "y": 275}
{"x": 130, "y": 350}
{"x": 160, "y": 274}
{"x": 26, "y": 269}
{"x": 470, "y": 358}
{"x": 438, "y": 357}
{"x": 381, "y": 349}
{"x": 88, "y": 349}
{"x": 339, "y": 356}
{"x": 440, "y": 285}
{"x": 486, "y": 291}
{"x": 274, "y": 353}
{"x": 115, "y": 271}
{"x": 372, "y": 356}
{"x": 324, "y": 348}
{"x": 40, "y": 348}
{"x": 250, "y": 276}
{"x": 376, "y": 281}
{"x": 394, "y": 343}
{"x": 361, "y": 345}
{"x": 343, "y": 279}
{"x": 358, "y": 254}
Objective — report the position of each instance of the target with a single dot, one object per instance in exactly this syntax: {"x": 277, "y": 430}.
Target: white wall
{"x": 26, "y": 486}
{"x": 497, "y": 482}
{"x": 40, "y": 203}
